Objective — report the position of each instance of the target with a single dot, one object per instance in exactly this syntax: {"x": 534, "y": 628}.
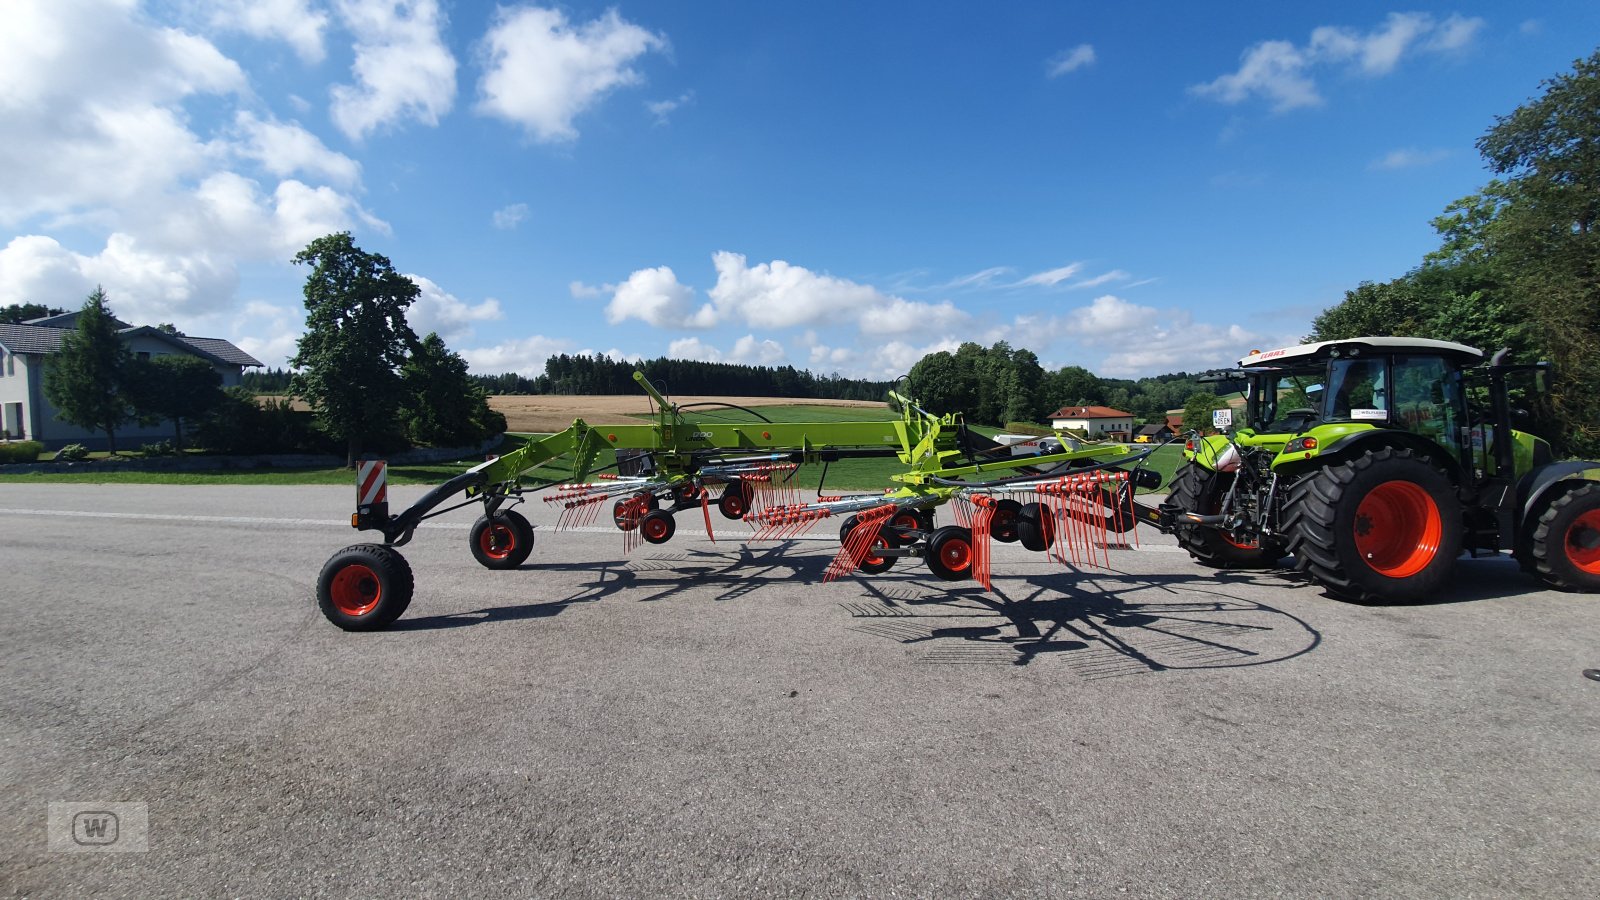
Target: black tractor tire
{"x": 365, "y": 587}
{"x": 1565, "y": 548}
{"x": 1036, "y": 526}
{"x": 735, "y": 500}
{"x": 1198, "y": 489}
{"x": 1003, "y": 524}
{"x": 950, "y": 553}
{"x": 1384, "y": 527}
{"x": 506, "y": 544}
{"x": 657, "y": 526}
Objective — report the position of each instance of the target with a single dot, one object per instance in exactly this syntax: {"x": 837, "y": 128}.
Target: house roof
{"x": 1090, "y": 412}
{"x": 42, "y": 339}
{"x": 1153, "y": 429}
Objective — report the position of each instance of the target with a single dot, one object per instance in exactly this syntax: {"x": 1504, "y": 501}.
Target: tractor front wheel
{"x": 364, "y": 587}
{"x": 1383, "y": 527}
{"x": 504, "y": 542}
{"x": 1200, "y": 490}
{"x": 1566, "y": 540}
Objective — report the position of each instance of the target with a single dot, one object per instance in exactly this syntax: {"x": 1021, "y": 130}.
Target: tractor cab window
{"x": 1357, "y": 390}
{"x": 1287, "y": 399}
{"x": 1426, "y": 397}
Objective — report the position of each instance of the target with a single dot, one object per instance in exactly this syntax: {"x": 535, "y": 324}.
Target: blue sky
{"x": 1132, "y": 187}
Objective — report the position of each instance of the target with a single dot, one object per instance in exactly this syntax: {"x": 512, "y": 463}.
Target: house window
{"x": 11, "y": 365}
{"x": 144, "y": 356}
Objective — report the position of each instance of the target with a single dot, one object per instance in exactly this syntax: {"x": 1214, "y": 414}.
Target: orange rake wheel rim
{"x": 871, "y": 559}
{"x": 655, "y": 528}
{"x": 1583, "y": 542}
{"x": 956, "y": 554}
{"x": 1398, "y": 529}
{"x": 355, "y": 590}
{"x": 501, "y": 534}
{"x": 735, "y": 504}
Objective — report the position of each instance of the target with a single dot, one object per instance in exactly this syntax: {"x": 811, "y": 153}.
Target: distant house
{"x": 25, "y": 412}
{"x": 1094, "y": 421}
{"x": 1152, "y": 434}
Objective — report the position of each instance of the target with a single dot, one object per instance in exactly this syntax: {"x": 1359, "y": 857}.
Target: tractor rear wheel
{"x": 1383, "y": 527}
{"x": 365, "y": 587}
{"x": 504, "y": 543}
{"x": 1566, "y": 540}
{"x": 950, "y": 553}
{"x": 1200, "y": 490}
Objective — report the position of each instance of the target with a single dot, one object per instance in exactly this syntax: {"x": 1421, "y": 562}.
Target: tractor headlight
{"x": 1301, "y": 445}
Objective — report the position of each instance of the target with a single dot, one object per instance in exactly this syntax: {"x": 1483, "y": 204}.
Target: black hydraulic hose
{"x": 728, "y": 406}
{"x": 1000, "y": 482}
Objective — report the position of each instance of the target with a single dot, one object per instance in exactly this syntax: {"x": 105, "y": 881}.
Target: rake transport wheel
{"x": 364, "y": 587}
{"x": 874, "y": 563}
{"x": 1566, "y": 541}
{"x": 1003, "y": 527}
{"x": 503, "y": 544}
{"x": 1200, "y": 490}
{"x": 911, "y": 519}
{"x": 1384, "y": 527}
{"x": 627, "y": 523}
{"x": 735, "y": 499}
{"x": 657, "y": 526}
{"x": 950, "y": 553}
{"x": 1036, "y": 526}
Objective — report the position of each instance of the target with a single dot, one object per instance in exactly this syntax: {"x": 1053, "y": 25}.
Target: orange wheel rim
{"x": 500, "y": 535}
{"x": 1398, "y": 529}
{"x": 956, "y": 554}
{"x": 874, "y": 559}
{"x": 1583, "y": 542}
{"x": 355, "y": 590}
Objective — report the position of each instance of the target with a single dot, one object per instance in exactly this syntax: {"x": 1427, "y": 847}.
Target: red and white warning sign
{"x": 372, "y": 482}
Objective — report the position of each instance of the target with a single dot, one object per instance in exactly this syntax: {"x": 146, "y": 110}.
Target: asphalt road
{"x": 705, "y": 720}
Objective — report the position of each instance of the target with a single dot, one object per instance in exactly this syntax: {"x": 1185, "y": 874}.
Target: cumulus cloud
{"x": 435, "y": 309}
{"x": 525, "y": 356}
{"x": 508, "y": 217}
{"x": 402, "y": 69}
{"x": 1281, "y": 71}
{"x": 542, "y": 71}
{"x": 1184, "y": 345}
{"x": 295, "y": 22}
{"x": 1070, "y": 60}
{"x": 1110, "y": 315}
{"x": 662, "y": 110}
{"x": 655, "y": 297}
{"x": 779, "y": 295}
{"x": 748, "y": 350}
{"x": 94, "y": 101}
{"x": 269, "y": 332}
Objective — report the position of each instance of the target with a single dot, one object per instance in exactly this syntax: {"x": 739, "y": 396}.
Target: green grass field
{"x": 844, "y": 475}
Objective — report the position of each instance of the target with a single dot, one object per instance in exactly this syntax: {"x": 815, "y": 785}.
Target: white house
{"x": 1094, "y": 421}
{"x": 25, "y": 412}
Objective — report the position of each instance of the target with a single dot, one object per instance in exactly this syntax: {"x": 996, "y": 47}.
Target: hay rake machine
{"x": 1066, "y": 504}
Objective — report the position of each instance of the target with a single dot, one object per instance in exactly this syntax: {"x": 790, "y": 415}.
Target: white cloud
{"x": 978, "y": 279}
{"x": 1109, "y": 315}
{"x": 269, "y": 332}
{"x": 780, "y": 295}
{"x": 438, "y": 310}
{"x": 1070, "y": 60}
{"x": 693, "y": 348}
{"x": 525, "y": 356}
{"x": 880, "y": 361}
{"x": 403, "y": 69}
{"x": 287, "y": 149}
{"x": 509, "y": 217}
{"x": 542, "y": 71}
{"x": 1280, "y": 72}
{"x": 295, "y": 22}
{"x": 581, "y": 291}
{"x": 94, "y": 103}
{"x": 1098, "y": 280}
{"x": 1409, "y": 158}
{"x": 1183, "y": 345}
{"x": 655, "y": 297}
{"x": 751, "y": 352}
{"x": 662, "y": 110}
{"x": 1052, "y": 277}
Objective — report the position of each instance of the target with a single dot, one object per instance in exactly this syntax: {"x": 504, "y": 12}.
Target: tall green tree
{"x": 1197, "y": 411}
{"x": 173, "y": 387}
{"x": 356, "y": 340}
{"x": 446, "y": 407}
{"x": 84, "y": 379}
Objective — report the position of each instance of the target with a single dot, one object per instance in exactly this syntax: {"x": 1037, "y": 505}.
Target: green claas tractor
{"x": 1376, "y": 462}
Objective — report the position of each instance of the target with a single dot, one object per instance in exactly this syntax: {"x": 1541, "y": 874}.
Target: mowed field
{"x": 543, "y": 413}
